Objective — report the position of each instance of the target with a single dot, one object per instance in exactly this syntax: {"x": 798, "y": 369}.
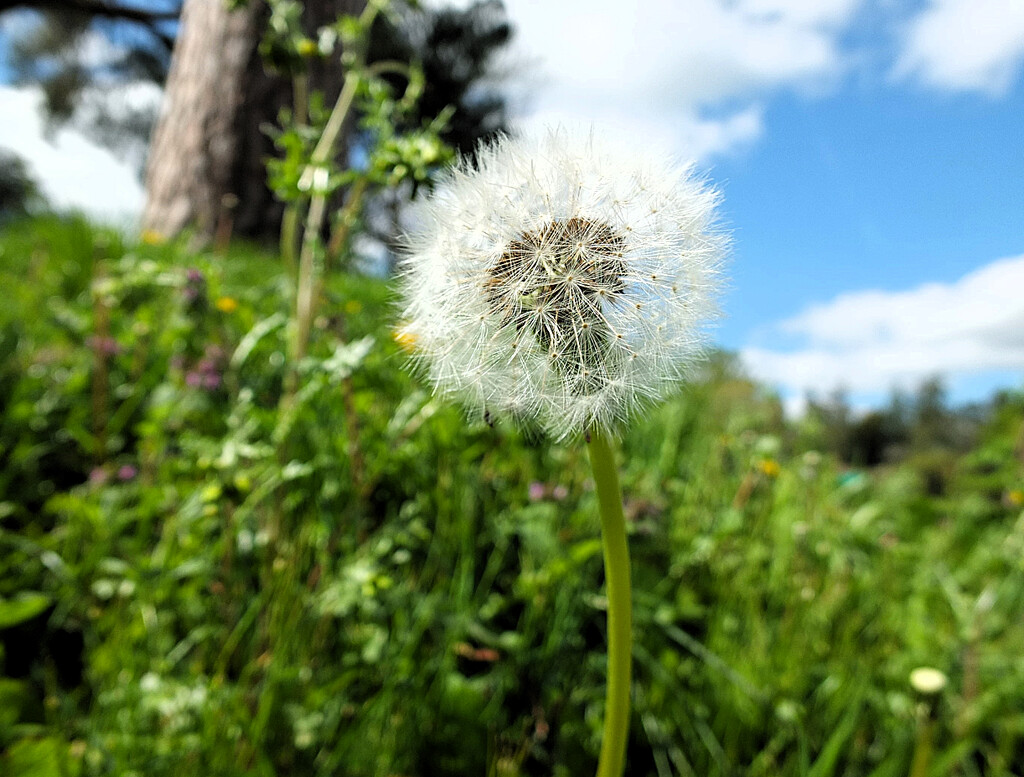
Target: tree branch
{"x": 106, "y": 10}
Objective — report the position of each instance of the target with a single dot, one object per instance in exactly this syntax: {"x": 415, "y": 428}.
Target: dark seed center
{"x": 559, "y": 272}
{"x": 552, "y": 283}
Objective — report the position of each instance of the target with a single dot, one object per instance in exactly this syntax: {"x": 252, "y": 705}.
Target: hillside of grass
{"x": 203, "y": 573}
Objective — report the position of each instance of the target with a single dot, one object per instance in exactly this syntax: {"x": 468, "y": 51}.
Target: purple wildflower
{"x": 106, "y": 346}
{"x": 195, "y": 287}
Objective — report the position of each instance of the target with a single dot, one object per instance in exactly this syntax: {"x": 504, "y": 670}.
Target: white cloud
{"x": 73, "y": 171}
{"x": 714, "y": 137}
{"x": 695, "y": 73}
{"x": 965, "y": 45}
{"x": 820, "y": 12}
{"x": 702, "y": 138}
{"x": 870, "y": 341}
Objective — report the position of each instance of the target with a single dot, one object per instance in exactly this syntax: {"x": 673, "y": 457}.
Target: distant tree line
{"x": 920, "y": 425}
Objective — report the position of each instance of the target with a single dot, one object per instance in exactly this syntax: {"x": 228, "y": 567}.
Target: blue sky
{"x": 888, "y": 189}
{"x": 871, "y": 154}
{"x": 871, "y": 188}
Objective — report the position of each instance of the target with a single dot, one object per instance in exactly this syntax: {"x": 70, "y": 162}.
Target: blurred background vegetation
{"x": 372, "y": 585}
{"x": 238, "y": 537}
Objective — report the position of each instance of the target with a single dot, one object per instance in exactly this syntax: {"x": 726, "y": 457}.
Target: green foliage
{"x": 196, "y": 578}
{"x": 18, "y": 192}
{"x": 396, "y": 150}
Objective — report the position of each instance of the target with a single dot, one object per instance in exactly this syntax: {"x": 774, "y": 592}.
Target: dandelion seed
{"x": 540, "y": 285}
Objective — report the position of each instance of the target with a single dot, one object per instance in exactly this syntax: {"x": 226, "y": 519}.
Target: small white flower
{"x": 561, "y": 282}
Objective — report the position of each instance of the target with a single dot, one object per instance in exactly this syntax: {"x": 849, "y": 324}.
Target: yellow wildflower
{"x": 406, "y": 339}
{"x": 226, "y": 304}
{"x": 769, "y": 467}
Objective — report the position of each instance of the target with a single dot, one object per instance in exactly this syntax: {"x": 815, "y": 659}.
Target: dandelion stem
{"x": 923, "y": 748}
{"x": 620, "y": 616}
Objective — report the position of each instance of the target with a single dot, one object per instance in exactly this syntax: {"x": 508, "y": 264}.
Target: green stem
{"x": 321, "y": 154}
{"x": 289, "y": 237}
{"x": 300, "y": 98}
{"x": 620, "y": 610}
{"x": 307, "y": 280}
{"x": 307, "y": 285}
{"x": 923, "y": 748}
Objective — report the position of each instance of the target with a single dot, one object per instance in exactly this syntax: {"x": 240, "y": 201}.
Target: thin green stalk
{"x": 923, "y": 748}
{"x": 620, "y": 609}
{"x": 289, "y": 237}
{"x": 321, "y": 154}
{"x": 307, "y": 286}
{"x": 307, "y": 280}
{"x": 293, "y": 210}
{"x": 300, "y": 97}
{"x": 347, "y": 219}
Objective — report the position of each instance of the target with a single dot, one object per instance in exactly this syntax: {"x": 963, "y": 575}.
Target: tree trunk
{"x": 207, "y": 159}
{"x": 195, "y": 143}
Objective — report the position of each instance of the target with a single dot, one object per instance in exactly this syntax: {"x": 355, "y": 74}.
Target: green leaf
{"x": 253, "y": 337}
{"x": 33, "y": 758}
{"x": 828, "y": 760}
{"x": 12, "y": 699}
{"x": 22, "y": 607}
{"x": 346, "y": 357}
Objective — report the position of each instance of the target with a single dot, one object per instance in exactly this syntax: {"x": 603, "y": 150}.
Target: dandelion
{"x": 929, "y": 683}
{"x": 562, "y": 283}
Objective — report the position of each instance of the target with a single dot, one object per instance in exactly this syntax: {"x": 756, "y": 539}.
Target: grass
{"x": 196, "y": 581}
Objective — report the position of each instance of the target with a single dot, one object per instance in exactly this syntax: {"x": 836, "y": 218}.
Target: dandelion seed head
{"x": 562, "y": 282}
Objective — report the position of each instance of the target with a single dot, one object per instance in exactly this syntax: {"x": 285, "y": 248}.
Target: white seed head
{"x": 928, "y": 681}
{"x": 562, "y": 282}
